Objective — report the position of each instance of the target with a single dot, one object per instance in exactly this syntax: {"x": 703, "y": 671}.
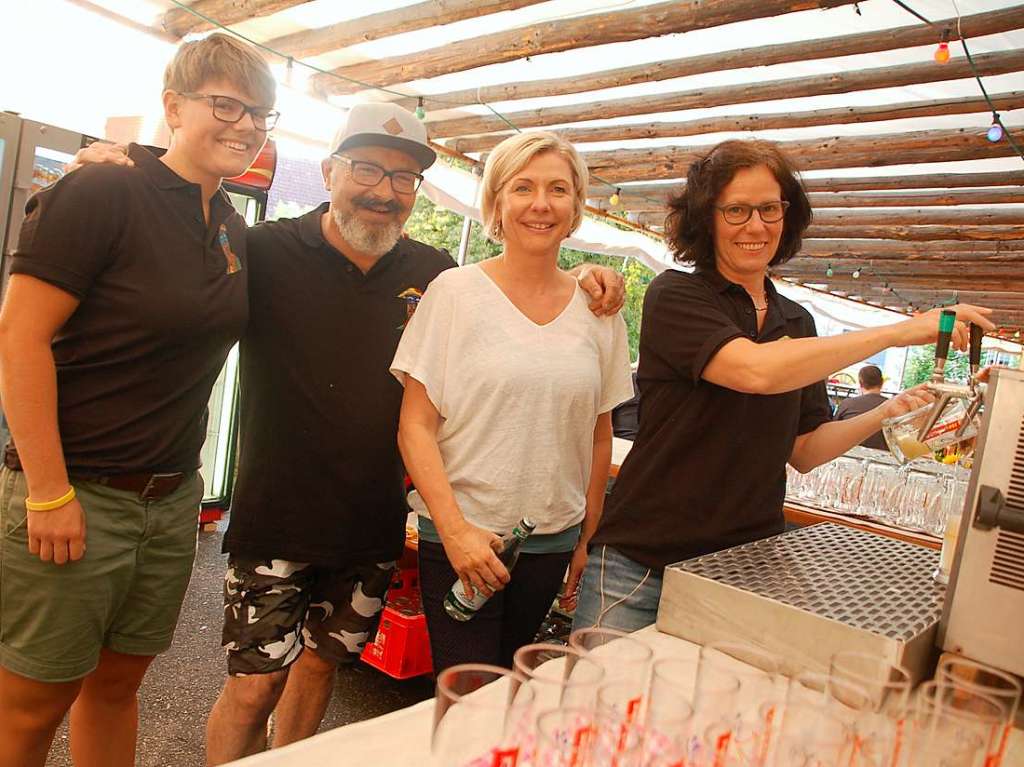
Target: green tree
{"x": 921, "y": 360}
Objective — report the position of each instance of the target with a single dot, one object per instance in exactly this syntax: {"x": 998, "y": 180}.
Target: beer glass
{"x": 1001, "y": 687}
{"x": 880, "y": 721}
{"x": 953, "y": 727}
{"x": 762, "y": 690}
{"x": 564, "y": 737}
{"x": 812, "y": 737}
{"x": 480, "y": 718}
{"x": 623, "y": 658}
{"x": 902, "y": 433}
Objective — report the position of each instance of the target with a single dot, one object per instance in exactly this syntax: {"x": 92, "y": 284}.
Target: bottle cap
{"x": 526, "y": 524}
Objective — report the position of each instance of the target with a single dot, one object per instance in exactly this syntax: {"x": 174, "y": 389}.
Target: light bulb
{"x": 828, "y": 271}
{"x": 421, "y": 113}
{"x": 856, "y": 274}
{"x": 995, "y": 132}
{"x": 614, "y": 199}
{"x": 942, "y": 53}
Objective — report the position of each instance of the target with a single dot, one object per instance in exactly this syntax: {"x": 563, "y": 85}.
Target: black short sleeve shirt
{"x": 162, "y": 299}
{"x": 855, "y": 406}
{"x": 707, "y": 469}
{"x": 320, "y": 477}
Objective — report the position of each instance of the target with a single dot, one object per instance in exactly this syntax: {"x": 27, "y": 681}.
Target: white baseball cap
{"x": 384, "y": 125}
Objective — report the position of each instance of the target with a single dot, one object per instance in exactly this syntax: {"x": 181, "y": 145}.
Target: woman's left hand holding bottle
{"x": 472, "y": 553}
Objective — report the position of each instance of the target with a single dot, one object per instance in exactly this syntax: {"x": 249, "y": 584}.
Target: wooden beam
{"x": 920, "y": 217}
{"x": 908, "y": 250}
{"x": 180, "y": 22}
{"x": 915, "y": 217}
{"x": 945, "y": 268}
{"x": 847, "y": 183}
{"x": 874, "y": 150}
{"x": 897, "y": 200}
{"x": 940, "y": 283}
{"x": 976, "y": 25}
{"x": 591, "y": 29}
{"x": 918, "y": 233}
{"x": 825, "y": 200}
{"x": 432, "y": 13}
{"x": 842, "y": 115}
{"x": 1006, "y": 300}
{"x": 705, "y": 98}
{"x": 926, "y": 260}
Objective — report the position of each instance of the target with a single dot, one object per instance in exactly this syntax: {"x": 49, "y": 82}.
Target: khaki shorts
{"x": 124, "y": 594}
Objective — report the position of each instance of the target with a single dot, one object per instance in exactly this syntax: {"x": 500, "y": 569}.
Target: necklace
{"x": 764, "y": 299}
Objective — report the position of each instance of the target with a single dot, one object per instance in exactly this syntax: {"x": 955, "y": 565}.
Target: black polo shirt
{"x": 163, "y": 298}
{"x": 319, "y": 474}
{"x": 707, "y": 469}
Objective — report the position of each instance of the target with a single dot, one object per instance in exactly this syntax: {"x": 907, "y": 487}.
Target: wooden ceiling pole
{"x": 909, "y": 250}
{"x": 705, "y": 98}
{"x": 848, "y": 183}
{"x": 975, "y": 25}
{"x": 561, "y": 35}
{"x": 945, "y": 145}
{"x": 759, "y": 122}
{"x": 918, "y": 233}
{"x": 431, "y": 13}
{"x": 180, "y": 22}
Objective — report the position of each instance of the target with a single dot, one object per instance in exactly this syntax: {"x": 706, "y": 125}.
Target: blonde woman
{"x": 509, "y": 385}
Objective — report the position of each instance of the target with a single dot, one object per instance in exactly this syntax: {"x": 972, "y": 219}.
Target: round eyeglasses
{"x": 739, "y": 213}
{"x": 231, "y": 110}
{"x": 370, "y": 174}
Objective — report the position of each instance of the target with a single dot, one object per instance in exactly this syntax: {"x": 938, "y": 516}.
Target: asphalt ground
{"x": 183, "y": 683}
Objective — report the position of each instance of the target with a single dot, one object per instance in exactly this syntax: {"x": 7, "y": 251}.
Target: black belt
{"x": 149, "y": 487}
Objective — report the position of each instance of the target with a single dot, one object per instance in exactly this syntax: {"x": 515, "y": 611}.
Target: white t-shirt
{"x": 518, "y": 401}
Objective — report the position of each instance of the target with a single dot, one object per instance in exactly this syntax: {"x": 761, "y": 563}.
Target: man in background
{"x": 870, "y": 378}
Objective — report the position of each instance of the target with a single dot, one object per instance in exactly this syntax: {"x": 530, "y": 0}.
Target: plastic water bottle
{"x": 462, "y": 607}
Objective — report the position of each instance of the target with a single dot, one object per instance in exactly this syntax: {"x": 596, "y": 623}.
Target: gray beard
{"x": 371, "y": 240}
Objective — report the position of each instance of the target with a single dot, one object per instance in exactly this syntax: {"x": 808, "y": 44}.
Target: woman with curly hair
{"x": 732, "y": 385}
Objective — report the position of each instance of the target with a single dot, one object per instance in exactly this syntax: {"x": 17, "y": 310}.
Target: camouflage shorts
{"x": 274, "y": 608}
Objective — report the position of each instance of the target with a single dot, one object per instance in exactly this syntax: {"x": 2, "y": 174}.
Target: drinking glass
{"x": 811, "y": 737}
{"x": 879, "y": 726}
{"x": 565, "y": 737}
{"x": 954, "y": 727}
{"x": 623, "y": 658}
{"x": 877, "y": 491}
{"x": 668, "y": 719}
{"x": 762, "y": 690}
{"x": 997, "y": 685}
{"x": 480, "y": 718}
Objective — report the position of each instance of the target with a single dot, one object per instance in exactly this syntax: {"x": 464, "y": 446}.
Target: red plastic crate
{"x": 401, "y": 648}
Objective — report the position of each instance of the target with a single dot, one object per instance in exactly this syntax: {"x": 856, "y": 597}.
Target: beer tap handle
{"x": 975, "y": 349}
{"x": 947, "y": 320}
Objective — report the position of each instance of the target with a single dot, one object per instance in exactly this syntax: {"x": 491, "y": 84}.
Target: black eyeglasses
{"x": 371, "y": 174}
{"x": 231, "y": 110}
{"x": 739, "y": 213}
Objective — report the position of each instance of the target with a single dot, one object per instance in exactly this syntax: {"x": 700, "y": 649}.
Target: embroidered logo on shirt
{"x": 412, "y": 297}
{"x": 233, "y": 264}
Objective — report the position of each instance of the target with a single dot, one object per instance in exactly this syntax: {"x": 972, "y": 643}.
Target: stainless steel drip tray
{"x": 809, "y": 593}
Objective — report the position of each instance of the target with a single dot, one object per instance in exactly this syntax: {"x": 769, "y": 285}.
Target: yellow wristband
{"x": 64, "y": 500}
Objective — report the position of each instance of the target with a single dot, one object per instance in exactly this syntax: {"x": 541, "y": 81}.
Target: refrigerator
{"x": 32, "y": 156}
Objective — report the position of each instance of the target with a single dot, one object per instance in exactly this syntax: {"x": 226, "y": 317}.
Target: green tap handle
{"x": 946, "y": 322}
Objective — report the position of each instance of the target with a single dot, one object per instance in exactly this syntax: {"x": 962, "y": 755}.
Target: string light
{"x": 828, "y": 271}
{"x": 856, "y": 274}
{"x": 421, "y": 113}
{"x": 995, "y": 131}
{"x": 614, "y": 199}
{"x": 942, "y": 52}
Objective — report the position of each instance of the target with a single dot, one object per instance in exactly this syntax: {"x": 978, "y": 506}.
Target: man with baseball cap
{"x": 318, "y": 517}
